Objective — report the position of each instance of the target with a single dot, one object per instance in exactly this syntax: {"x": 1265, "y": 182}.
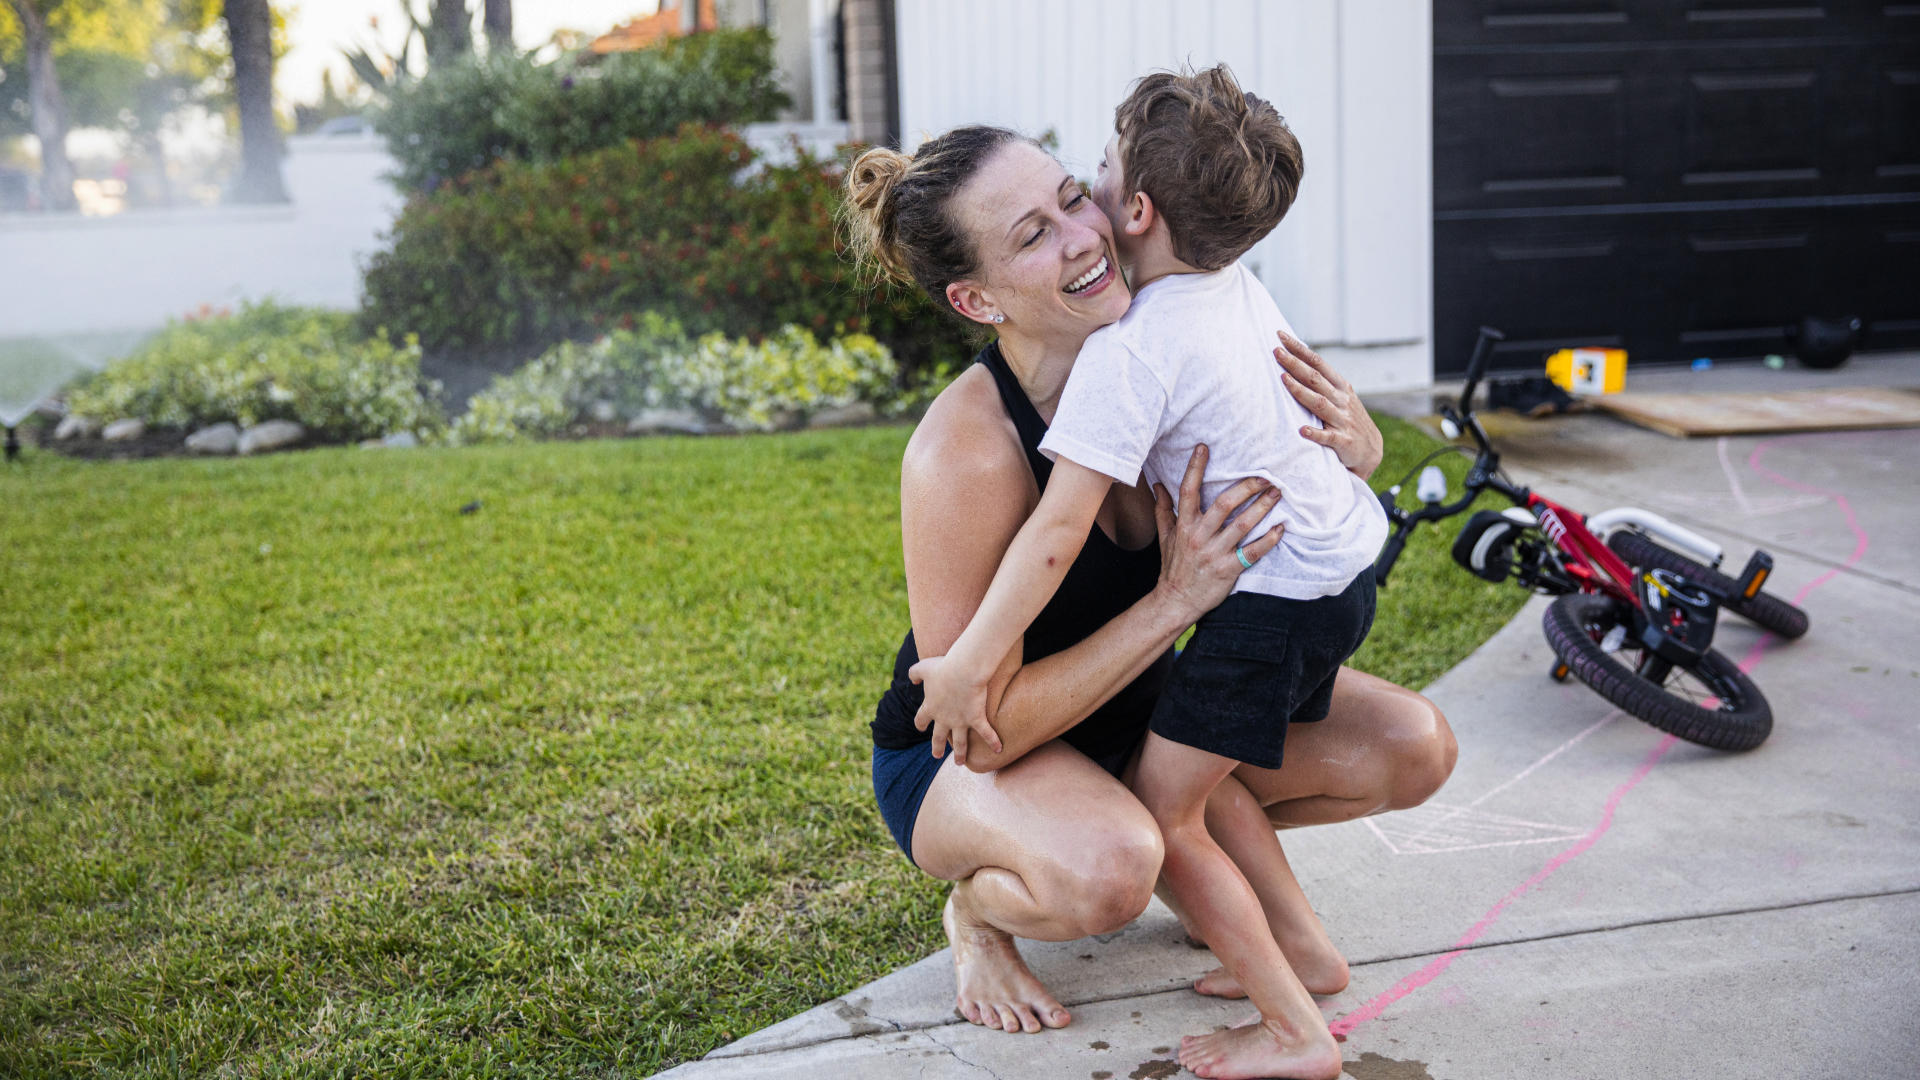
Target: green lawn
{"x": 303, "y": 772}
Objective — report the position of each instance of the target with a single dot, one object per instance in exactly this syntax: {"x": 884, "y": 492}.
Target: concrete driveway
{"x": 1587, "y": 897}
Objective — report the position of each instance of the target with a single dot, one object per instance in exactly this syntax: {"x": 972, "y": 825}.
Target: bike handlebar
{"x": 1477, "y": 365}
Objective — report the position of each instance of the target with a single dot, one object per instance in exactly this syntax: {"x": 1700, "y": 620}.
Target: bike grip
{"x": 1390, "y": 555}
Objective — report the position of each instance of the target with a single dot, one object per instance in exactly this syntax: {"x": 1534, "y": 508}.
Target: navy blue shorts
{"x": 901, "y": 779}
{"x": 1258, "y": 663}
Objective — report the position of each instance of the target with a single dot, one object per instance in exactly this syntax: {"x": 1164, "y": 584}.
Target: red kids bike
{"x": 1632, "y": 617}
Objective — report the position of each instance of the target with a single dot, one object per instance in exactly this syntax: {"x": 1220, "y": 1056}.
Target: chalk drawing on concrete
{"x": 1436, "y": 827}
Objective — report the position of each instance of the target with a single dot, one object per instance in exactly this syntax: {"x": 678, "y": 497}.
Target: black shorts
{"x": 1257, "y": 663}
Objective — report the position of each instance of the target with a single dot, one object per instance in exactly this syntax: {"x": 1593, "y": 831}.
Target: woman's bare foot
{"x": 1260, "y": 1049}
{"x": 993, "y": 987}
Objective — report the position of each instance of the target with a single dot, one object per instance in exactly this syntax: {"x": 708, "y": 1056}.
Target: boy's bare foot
{"x": 993, "y": 987}
{"x": 1259, "y": 1049}
{"x": 1317, "y": 964}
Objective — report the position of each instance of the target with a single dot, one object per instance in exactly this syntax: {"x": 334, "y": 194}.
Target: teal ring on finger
{"x": 1241, "y": 554}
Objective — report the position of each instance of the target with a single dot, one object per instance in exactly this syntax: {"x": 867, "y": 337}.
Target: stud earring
{"x": 999, "y": 318}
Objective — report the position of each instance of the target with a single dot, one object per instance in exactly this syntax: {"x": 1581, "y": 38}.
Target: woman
{"x": 1040, "y": 835}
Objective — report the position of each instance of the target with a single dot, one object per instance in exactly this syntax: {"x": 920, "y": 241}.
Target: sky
{"x": 319, "y": 30}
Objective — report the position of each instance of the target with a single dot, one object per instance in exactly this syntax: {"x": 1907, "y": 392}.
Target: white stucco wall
{"x": 62, "y": 277}
{"x": 1352, "y": 264}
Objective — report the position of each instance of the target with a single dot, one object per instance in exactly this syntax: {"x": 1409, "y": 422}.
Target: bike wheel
{"x": 1712, "y": 703}
{"x": 1770, "y": 612}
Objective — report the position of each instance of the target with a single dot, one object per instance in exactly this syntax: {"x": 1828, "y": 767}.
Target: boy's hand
{"x": 955, "y": 707}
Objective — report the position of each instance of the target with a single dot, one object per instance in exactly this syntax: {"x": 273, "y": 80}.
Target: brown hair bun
{"x": 870, "y": 185}
{"x": 896, "y": 213}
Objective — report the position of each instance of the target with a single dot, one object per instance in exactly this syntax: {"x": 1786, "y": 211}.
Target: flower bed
{"x": 267, "y": 362}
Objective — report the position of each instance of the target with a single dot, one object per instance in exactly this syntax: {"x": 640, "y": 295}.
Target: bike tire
{"x": 1769, "y": 612}
{"x": 1741, "y": 722}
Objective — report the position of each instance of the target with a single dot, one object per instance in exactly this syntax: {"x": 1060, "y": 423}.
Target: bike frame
{"x": 1592, "y": 565}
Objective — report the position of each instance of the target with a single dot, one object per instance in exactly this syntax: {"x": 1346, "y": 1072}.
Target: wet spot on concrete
{"x": 1372, "y": 1066}
{"x": 1098, "y": 1045}
{"x": 1155, "y": 1070}
{"x": 856, "y": 1019}
{"x": 1161, "y": 1050}
{"x": 1136, "y": 1016}
{"x": 1086, "y": 956}
{"x": 1102, "y": 1074}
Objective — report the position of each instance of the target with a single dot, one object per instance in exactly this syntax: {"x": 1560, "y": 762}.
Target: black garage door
{"x": 1678, "y": 178}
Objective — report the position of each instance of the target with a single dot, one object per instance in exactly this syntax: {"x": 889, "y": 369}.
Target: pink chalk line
{"x": 1439, "y": 964}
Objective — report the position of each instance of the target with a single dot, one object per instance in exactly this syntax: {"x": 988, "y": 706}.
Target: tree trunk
{"x": 250, "y": 30}
{"x": 49, "y": 108}
{"x": 499, "y": 23}
{"x": 156, "y": 154}
{"x": 449, "y": 32}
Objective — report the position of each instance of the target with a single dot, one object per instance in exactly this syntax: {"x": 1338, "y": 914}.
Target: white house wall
{"x": 1351, "y": 265}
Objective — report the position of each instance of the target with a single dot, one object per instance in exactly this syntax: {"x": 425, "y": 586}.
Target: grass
{"x": 303, "y": 772}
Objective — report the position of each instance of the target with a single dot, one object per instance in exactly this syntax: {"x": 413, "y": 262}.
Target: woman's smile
{"x": 1096, "y": 278}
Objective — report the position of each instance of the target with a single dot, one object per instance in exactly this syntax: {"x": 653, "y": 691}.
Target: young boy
{"x": 1196, "y": 174}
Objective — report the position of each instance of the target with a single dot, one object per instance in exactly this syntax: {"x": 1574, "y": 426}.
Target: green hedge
{"x": 525, "y": 254}
{"x": 463, "y": 116}
{"x": 268, "y": 362}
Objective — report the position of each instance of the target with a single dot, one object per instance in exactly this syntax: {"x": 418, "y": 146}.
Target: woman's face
{"x": 1045, "y": 251}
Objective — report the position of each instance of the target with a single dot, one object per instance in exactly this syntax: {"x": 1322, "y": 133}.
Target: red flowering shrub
{"x": 522, "y": 255}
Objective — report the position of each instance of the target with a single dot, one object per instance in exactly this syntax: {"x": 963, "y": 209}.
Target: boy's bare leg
{"x": 1289, "y": 1038}
{"x": 1239, "y": 824}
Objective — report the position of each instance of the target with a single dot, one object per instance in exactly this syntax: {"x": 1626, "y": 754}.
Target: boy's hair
{"x": 1219, "y": 163}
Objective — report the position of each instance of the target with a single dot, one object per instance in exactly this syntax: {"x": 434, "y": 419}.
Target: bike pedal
{"x": 1755, "y": 575}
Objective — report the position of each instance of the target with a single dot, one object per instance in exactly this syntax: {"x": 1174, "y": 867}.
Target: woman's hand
{"x": 1350, "y": 433}
{"x": 1198, "y": 560}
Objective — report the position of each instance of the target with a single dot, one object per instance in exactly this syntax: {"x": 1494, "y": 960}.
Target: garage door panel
{"x": 1684, "y": 179}
{"x": 1899, "y": 121}
{"x": 1752, "y": 127}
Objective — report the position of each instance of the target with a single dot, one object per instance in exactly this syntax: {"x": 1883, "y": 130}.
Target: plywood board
{"x": 1689, "y": 415}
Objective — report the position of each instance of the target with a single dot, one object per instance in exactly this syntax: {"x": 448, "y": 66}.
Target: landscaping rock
{"x": 400, "y": 440}
{"x": 124, "y": 430}
{"x": 76, "y": 427}
{"x": 668, "y": 422}
{"x": 221, "y": 438}
{"x": 603, "y": 412}
{"x": 271, "y": 435}
{"x": 853, "y": 415}
{"x": 373, "y": 444}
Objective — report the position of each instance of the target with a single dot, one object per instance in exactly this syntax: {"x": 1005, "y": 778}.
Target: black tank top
{"x": 1103, "y": 582}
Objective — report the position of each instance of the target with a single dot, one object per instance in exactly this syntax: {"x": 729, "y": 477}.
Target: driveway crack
{"x": 948, "y": 1047}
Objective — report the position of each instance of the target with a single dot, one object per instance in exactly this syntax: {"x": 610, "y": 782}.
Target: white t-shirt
{"x": 1192, "y": 362}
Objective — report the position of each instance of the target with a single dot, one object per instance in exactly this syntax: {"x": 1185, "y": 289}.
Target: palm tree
{"x": 250, "y": 30}
{"x": 49, "y": 107}
{"x": 499, "y": 23}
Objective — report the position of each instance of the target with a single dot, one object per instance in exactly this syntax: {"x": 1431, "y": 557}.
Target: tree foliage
{"x": 124, "y": 65}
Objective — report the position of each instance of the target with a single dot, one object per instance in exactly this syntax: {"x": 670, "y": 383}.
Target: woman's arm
{"x": 1350, "y": 432}
{"x": 965, "y": 491}
{"x": 955, "y": 698}
{"x": 1198, "y": 568}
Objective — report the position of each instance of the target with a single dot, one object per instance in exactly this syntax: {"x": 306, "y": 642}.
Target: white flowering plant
{"x": 776, "y": 382}
{"x": 758, "y": 386}
{"x": 553, "y": 391}
{"x": 266, "y": 362}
